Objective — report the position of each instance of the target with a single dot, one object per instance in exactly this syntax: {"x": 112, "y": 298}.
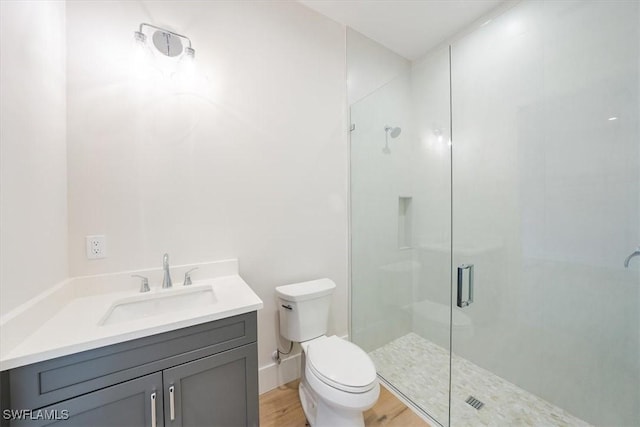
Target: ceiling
{"x": 408, "y": 27}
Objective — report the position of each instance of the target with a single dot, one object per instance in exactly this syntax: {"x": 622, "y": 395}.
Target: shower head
{"x": 392, "y": 131}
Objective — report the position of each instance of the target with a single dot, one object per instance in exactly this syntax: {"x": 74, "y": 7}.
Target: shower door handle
{"x": 461, "y": 276}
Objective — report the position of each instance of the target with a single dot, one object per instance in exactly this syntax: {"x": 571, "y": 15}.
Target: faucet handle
{"x": 633, "y": 254}
{"x": 144, "y": 284}
{"x": 187, "y": 277}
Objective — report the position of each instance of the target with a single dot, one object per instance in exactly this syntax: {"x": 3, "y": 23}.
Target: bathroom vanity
{"x": 193, "y": 367}
{"x": 201, "y": 375}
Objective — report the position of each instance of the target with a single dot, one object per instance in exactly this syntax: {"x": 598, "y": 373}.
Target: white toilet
{"x": 339, "y": 379}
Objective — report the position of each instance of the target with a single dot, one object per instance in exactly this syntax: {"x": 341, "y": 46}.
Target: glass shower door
{"x": 546, "y": 207}
{"x": 400, "y": 234}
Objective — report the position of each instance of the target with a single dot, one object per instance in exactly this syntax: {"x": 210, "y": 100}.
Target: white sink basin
{"x": 159, "y": 303}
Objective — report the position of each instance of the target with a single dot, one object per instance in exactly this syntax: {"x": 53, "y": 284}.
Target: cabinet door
{"x": 219, "y": 390}
{"x": 130, "y": 403}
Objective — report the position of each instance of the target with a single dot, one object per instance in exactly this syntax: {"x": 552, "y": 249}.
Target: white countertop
{"x": 76, "y": 326}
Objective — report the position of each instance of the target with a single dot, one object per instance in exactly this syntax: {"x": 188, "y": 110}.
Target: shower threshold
{"x": 419, "y": 368}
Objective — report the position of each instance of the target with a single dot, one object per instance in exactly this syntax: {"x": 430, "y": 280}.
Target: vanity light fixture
{"x": 166, "y": 42}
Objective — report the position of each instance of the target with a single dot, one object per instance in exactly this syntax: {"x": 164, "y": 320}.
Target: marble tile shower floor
{"x": 419, "y": 368}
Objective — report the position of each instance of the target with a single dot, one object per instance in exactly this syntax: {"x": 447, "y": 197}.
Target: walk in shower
{"x": 489, "y": 236}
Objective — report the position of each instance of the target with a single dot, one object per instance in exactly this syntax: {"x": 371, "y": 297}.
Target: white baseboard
{"x": 274, "y": 375}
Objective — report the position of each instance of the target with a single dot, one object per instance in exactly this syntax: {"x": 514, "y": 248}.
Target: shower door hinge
{"x": 352, "y": 127}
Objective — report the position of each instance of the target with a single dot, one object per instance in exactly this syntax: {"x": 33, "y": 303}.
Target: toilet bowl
{"x": 339, "y": 379}
{"x": 338, "y": 382}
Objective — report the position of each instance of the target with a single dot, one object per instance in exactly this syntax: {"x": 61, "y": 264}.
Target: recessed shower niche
{"x": 405, "y": 217}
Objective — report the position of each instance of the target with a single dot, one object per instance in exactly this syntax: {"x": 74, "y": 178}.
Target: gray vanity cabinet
{"x": 199, "y": 376}
{"x": 213, "y": 391}
{"x": 128, "y": 404}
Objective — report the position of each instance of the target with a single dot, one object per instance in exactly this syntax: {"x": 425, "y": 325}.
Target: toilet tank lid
{"x": 306, "y": 290}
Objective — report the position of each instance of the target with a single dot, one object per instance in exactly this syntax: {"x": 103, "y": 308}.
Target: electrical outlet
{"x": 96, "y": 247}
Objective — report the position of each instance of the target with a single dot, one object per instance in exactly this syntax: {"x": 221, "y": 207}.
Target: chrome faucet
{"x": 187, "y": 277}
{"x": 144, "y": 283}
{"x": 166, "y": 281}
{"x": 634, "y": 253}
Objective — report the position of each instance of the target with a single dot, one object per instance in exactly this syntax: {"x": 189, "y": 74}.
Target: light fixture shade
{"x": 166, "y": 42}
{"x": 139, "y": 36}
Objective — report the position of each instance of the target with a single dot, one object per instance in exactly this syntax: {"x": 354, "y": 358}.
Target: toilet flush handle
{"x": 287, "y": 306}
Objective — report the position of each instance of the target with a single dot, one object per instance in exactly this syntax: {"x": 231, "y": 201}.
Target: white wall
{"x": 33, "y": 180}
{"x": 251, "y": 163}
{"x": 370, "y": 66}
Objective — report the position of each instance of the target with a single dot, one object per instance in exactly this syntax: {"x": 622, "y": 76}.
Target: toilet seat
{"x": 341, "y": 364}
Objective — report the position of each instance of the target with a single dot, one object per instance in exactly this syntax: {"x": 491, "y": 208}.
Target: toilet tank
{"x": 304, "y": 309}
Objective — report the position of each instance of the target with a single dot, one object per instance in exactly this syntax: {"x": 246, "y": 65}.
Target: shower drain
{"x": 474, "y": 402}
